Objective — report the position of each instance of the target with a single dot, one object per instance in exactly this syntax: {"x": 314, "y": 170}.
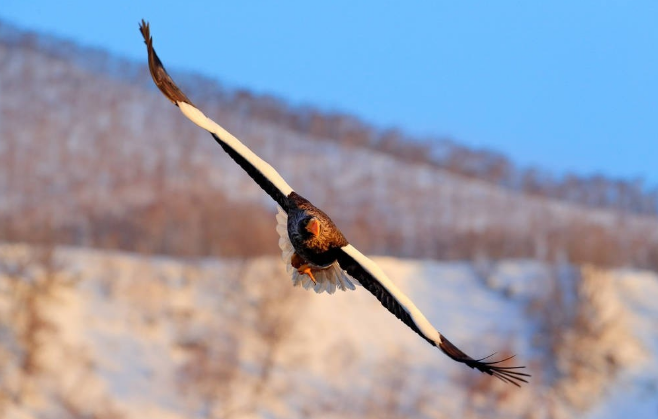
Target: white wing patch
{"x": 196, "y": 116}
{"x": 376, "y": 272}
{"x": 328, "y": 279}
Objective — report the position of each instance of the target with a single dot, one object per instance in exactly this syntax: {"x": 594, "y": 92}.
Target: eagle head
{"x": 309, "y": 234}
{"x": 309, "y": 228}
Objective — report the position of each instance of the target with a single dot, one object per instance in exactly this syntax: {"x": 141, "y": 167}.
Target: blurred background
{"x": 498, "y": 160}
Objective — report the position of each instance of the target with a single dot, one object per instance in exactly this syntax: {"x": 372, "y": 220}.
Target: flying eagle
{"x": 314, "y": 249}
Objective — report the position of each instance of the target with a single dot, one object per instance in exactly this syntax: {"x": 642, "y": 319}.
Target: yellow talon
{"x": 305, "y": 269}
{"x": 302, "y": 267}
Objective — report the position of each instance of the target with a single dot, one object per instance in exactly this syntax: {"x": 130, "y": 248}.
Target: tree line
{"x": 596, "y": 190}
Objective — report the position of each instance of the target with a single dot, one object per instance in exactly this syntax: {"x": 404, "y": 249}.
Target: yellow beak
{"x": 313, "y": 227}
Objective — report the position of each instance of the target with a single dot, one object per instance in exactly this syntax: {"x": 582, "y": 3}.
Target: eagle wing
{"x": 372, "y": 278}
{"x": 259, "y": 170}
{"x": 350, "y": 259}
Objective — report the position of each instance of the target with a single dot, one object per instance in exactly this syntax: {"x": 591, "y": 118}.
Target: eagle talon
{"x": 302, "y": 267}
{"x": 305, "y": 269}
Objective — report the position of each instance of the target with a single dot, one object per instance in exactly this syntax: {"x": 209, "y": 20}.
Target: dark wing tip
{"x": 145, "y": 30}
{"x": 160, "y": 76}
{"x": 506, "y": 374}
{"x": 146, "y": 33}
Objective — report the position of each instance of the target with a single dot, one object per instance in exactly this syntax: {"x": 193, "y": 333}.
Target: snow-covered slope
{"x": 114, "y": 335}
{"x": 79, "y": 148}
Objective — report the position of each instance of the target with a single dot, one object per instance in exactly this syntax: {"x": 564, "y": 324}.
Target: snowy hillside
{"x": 111, "y": 335}
{"x": 93, "y": 156}
{"x": 88, "y": 155}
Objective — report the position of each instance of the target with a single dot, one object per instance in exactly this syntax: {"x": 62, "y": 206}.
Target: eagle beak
{"x": 313, "y": 227}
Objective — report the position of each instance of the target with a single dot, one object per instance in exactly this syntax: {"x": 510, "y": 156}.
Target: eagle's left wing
{"x": 372, "y": 278}
{"x": 259, "y": 170}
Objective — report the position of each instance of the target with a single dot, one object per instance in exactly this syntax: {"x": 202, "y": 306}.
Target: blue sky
{"x": 567, "y": 86}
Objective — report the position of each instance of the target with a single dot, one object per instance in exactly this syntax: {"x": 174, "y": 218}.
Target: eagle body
{"x": 321, "y": 250}
{"x": 315, "y": 252}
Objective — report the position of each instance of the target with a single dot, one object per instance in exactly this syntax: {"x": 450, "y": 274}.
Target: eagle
{"x": 315, "y": 251}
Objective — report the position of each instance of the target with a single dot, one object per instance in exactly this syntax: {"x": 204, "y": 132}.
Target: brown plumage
{"x": 158, "y": 72}
{"x": 318, "y": 250}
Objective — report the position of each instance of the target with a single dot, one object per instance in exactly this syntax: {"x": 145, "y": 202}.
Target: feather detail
{"x": 328, "y": 279}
